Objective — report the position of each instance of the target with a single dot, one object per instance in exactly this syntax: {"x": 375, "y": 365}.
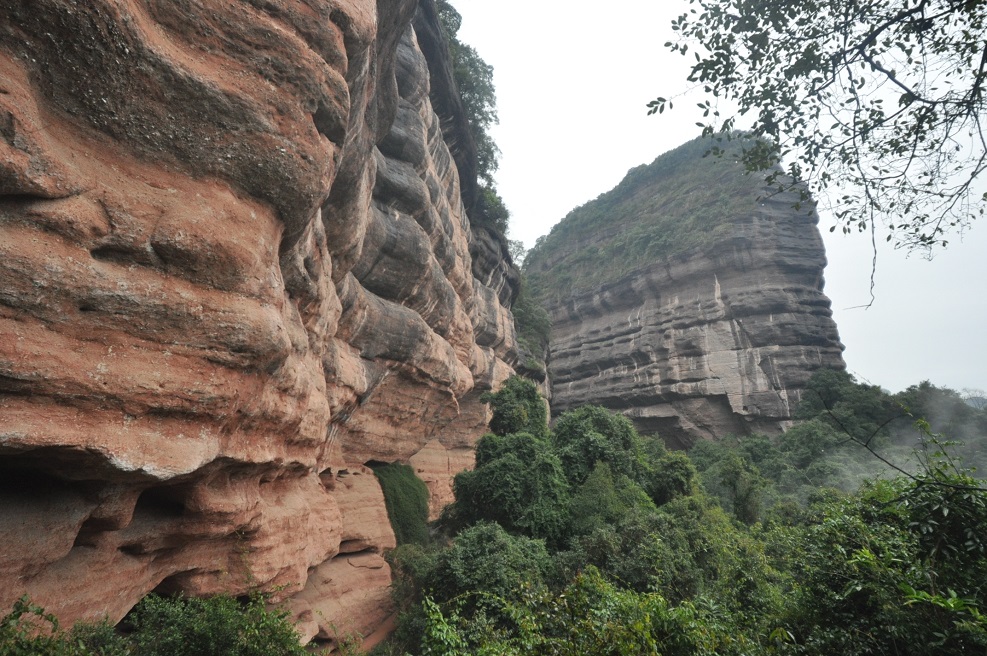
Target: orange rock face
{"x": 437, "y": 465}
{"x": 234, "y": 267}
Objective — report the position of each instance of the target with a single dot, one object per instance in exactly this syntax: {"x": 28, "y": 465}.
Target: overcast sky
{"x": 573, "y": 80}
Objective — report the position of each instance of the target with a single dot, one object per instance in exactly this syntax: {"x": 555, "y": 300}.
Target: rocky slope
{"x": 687, "y": 300}
{"x": 234, "y": 268}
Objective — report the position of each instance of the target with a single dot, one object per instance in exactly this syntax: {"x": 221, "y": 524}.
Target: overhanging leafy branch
{"x": 881, "y": 104}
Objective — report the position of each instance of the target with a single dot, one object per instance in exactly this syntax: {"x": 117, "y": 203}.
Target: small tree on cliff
{"x": 518, "y": 483}
{"x": 883, "y": 99}
{"x": 474, "y": 79}
{"x": 517, "y": 408}
{"x": 591, "y": 434}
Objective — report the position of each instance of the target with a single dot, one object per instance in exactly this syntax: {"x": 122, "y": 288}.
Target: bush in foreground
{"x": 160, "y": 626}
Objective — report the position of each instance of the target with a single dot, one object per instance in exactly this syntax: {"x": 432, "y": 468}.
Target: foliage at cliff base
{"x": 860, "y": 531}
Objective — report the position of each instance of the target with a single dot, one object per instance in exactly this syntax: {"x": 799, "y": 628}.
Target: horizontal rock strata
{"x": 711, "y": 340}
{"x": 234, "y": 267}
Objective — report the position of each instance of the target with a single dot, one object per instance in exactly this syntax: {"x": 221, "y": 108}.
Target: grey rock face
{"x": 715, "y": 340}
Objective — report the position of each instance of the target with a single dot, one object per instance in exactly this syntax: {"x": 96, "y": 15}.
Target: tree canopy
{"x": 882, "y": 101}
{"x": 517, "y": 408}
{"x": 589, "y": 539}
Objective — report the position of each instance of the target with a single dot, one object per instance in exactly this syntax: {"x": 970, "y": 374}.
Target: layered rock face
{"x": 714, "y": 334}
{"x": 234, "y": 268}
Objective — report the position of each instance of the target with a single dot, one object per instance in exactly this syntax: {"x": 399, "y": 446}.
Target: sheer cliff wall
{"x": 234, "y": 268}
{"x": 689, "y": 299}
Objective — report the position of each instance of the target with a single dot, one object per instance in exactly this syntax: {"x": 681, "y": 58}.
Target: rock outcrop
{"x": 689, "y": 299}
{"x": 234, "y": 267}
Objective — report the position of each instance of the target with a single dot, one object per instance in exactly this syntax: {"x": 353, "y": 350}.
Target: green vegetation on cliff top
{"x": 474, "y": 81}
{"x": 680, "y": 202}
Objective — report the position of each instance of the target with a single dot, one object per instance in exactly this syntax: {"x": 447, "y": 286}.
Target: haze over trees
{"x": 882, "y": 102}
{"x": 587, "y": 538}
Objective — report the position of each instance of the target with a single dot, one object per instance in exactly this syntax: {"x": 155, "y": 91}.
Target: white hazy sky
{"x": 573, "y": 80}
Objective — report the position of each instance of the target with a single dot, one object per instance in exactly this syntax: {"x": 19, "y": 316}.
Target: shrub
{"x": 590, "y": 616}
{"x": 216, "y": 626}
{"x": 637, "y": 552}
{"x": 593, "y": 434}
{"x": 27, "y": 630}
{"x": 605, "y": 499}
{"x": 669, "y": 477}
{"x": 487, "y": 560}
{"x": 879, "y": 574}
{"x": 99, "y": 639}
{"x": 517, "y": 408}
{"x": 490, "y": 211}
{"x": 518, "y": 483}
{"x": 406, "y": 499}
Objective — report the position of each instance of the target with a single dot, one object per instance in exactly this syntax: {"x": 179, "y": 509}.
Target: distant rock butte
{"x": 710, "y": 340}
{"x": 234, "y": 268}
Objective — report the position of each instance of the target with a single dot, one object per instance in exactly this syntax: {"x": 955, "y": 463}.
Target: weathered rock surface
{"x": 234, "y": 267}
{"x": 714, "y": 339}
{"x": 437, "y": 465}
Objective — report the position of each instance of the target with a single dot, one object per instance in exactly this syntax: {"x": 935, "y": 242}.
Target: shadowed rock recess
{"x": 234, "y": 268}
{"x": 688, "y": 298}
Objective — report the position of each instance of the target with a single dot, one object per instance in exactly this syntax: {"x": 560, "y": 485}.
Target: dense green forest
{"x": 861, "y": 530}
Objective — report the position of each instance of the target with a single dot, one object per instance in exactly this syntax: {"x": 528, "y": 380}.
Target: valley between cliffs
{"x": 235, "y": 267}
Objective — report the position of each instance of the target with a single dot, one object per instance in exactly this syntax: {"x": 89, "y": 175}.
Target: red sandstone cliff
{"x": 234, "y": 267}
